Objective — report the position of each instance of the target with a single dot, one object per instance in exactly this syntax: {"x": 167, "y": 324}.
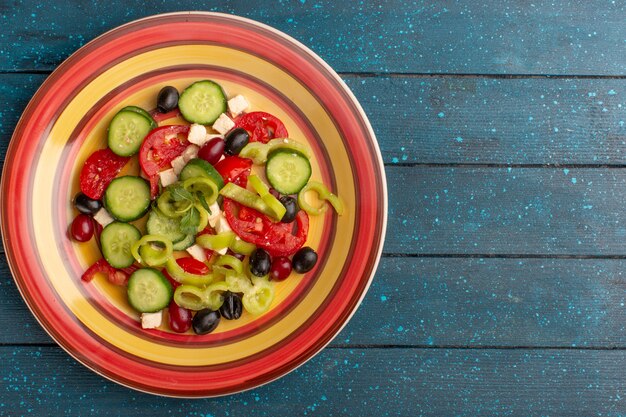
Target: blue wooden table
{"x": 501, "y": 289}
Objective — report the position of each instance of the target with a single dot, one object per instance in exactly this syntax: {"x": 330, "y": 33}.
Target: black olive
{"x": 235, "y": 140}
{"x": 205, "y": 321}
{"x": 167, "y": 99}
{"x": 232, "y": 307}
{"x": 304, "y": 260}
{"x": 86, "y": 205}
{"x": 292, "y": 208}
{"x": 260, "y": 262}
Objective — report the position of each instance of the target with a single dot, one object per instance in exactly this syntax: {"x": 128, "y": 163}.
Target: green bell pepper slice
{"x": 323, "y": 194}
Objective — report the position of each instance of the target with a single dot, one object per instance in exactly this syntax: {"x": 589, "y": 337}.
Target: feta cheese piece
{"x": 151, "y": 320}
{"x": 237, "y": 105}
{"x": 197, "y": 252}
{"x": 190, "y": 153}
{"x": 168, "y": 177}
{"x": 223, "y": 124}
{"x": 222, "y": 225}
{"x": 197, "y": 134}
{"x": 215, "y": 214}
{"x": 178, "y": 164}
{"x": 103, "y": 217}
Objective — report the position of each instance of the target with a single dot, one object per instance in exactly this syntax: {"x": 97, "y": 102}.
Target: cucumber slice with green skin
{"x": 187, "y": 242}
{"x": 149, "y": 291}
{"x": 202, "y": 102}
{"x": 127, "y": 198}
{"x": 127, "y": 131}
{"x": 200, "y": 168}
{"x": 139, "y": 110}
{"x": 161, "y": 225}
{"x": 287, "y": 171}
{"x": 116, "y": 240}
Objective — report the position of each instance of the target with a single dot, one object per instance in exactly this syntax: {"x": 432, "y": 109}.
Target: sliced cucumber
{"x": 167, "y": 227}
{"x": 287, "y": 171}
{"x": 142, "y": 112}
{"x": 116, "y": 240}
{"x": 127, "y": 131}
{"x": 149, "y": 291}
{"x": 186, "y": 242}
{"x": 202, "y": 102}
{"x": 200, "y": 168}
{"x": 127, "y": 198}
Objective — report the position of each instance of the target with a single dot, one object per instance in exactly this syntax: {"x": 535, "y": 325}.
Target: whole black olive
{"x": 86, "y": 205}
{"x": 205, "y": 321}
{"x": 232, "y": 307}
{"x": 167, "y": 99}
{"x": 292, "y": 208}
{"x": 235, "y": 140}
{"x": 304, "y": 260}
{"x": 260, "y": 262}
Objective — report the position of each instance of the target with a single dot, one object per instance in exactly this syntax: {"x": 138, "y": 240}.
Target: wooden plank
{"x": 460, "y": 120}
{"x": 454, "y": 302}
{"x": 496, "y": 121}
{"x": 489, "y": 37}
{"x": 356, "y": 382}
{"x": 516, "y": 211}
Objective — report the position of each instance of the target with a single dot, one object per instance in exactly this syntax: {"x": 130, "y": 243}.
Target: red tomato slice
{"x": 262, "y": 126}
{"x": 99, "y": 170}
{"x": 159, "y": 148}
{"x": 276, "y": 238}
{"x": 234, "y": 169}
{"x": 115, "y": 276}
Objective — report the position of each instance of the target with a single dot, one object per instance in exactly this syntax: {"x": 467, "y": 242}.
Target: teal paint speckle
{"x": 383, "y": 298}
{"x": 573, "y": 180}
{"x": 400, "y": 328}
{"x": 611, "y": 92}
{"x": 441, "y": 114}
{"x": 395, "y": 160}
{"x": 565, "y": 171}
{"x": 459, "y": 139}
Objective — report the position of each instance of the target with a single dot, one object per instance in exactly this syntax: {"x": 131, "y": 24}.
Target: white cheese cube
{"x": 168, "y": 177}
{"x": 197, "y": 252}
{"x": 103, "y": 217}
{"x": 215, "y": 214}
{"x": 151, "y": 320}
{"x": 223, "y": 124}
{"x": 237, "y": 105}
{"x": 197, "y": 134}
{"x": 222, "y": 225}
{"x": 190, "y": 153}
{"x": 178, "y": 164}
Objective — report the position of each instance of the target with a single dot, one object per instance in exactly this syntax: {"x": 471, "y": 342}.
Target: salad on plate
{"x": 218, "y": 214}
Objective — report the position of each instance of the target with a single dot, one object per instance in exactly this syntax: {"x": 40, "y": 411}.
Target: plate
{"x": 66, "y": 121}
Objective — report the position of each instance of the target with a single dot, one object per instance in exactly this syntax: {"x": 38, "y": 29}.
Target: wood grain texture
{"x": 487, "y": 37}
{"x": 511, "y": 211}
{"x": 455, "y": 302}
{"x": 458, "y": 121}
{"x": 346, "y": 382}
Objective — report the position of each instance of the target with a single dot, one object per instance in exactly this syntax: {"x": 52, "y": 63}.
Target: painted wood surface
{"x": 486, "y": 37}
{"x": 501, "y": 291}
{"x": 348, "y": 382}
{"x": 427, "y": 302}
{"x": 430, "y": 120}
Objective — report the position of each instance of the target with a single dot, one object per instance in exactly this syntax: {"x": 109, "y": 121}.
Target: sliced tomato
{"x": 234, "y": 169}
{"x": 115, "y": 276}
{"x": 277, "y": 238}
{"x": 262, "y": 126}
{"x": 99, "y": 170}
{"x": 190, "y": 265}
{"x": 159, "y": 149}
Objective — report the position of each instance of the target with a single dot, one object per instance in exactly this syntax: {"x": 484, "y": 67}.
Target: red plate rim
{"x": 372, "y": 170}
